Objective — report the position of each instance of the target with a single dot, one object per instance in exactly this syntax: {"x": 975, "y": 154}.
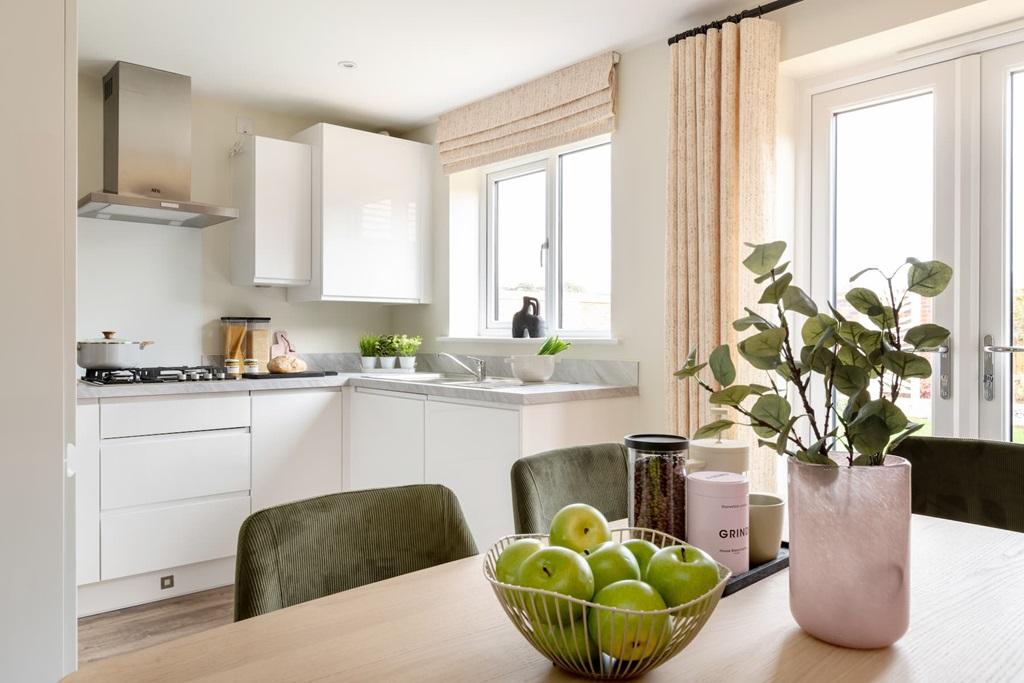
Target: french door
{"x": 927, "y": 163}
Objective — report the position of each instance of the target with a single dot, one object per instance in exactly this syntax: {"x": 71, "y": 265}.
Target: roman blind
{"x": 571, "y": 104}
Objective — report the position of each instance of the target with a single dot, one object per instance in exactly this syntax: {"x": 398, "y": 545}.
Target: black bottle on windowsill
{"x": 527, "y": 321}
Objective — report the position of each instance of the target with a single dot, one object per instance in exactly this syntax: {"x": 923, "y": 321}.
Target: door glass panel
{"x": 1016, "y": 205}
{"x": 520, "y": 230}
{"x": 883, "y": 204}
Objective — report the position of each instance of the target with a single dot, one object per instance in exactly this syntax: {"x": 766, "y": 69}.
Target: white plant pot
{"x": 532, "y": 368}
{"x": 407, "y": 362}
{"x": 388, "y": 362}
{"x": 368, "y": 362}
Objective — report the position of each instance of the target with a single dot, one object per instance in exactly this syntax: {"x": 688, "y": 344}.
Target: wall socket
{"x": 167, "y": 582}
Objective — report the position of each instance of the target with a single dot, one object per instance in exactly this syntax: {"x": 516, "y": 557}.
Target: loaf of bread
{"x": 286, "y": 364}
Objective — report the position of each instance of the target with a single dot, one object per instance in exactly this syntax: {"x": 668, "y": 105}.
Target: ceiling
{"x": 416, "y": 58}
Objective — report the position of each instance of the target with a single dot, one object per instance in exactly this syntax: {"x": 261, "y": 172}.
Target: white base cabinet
{"x": 296, "y": 445}
{"x": 386, "y": 433}
{"x": 470, "y": 449}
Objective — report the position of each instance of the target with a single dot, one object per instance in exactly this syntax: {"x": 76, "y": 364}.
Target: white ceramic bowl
{"x": 532, "y": 368}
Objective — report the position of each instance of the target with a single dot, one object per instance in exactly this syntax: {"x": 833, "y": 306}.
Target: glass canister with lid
{"x": 657, "y": 482}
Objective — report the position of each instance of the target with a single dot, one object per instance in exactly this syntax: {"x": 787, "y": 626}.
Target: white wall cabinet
{"x": 386, "y": 432}
{"x": 371, "y": 217}
{"x": 470, "y": 449}
{"x": 296, "y": 445}
{"x": 271, "y": 240}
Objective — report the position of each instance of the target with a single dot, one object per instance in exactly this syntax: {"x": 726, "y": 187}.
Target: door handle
{"x": 945, "y": 371}
{"x": 989, "y": 375}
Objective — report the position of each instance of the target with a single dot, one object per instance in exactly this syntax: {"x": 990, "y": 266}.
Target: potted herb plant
{"x": 849, "y": 496}
{"x": 368, "y": 351}
{"x": 538, "y": 367}
{"x": 387, "y": 350}
{"x": 407, "y": 348}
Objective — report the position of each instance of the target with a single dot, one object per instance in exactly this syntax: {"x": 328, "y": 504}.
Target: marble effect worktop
{"x": 516, "y": 394}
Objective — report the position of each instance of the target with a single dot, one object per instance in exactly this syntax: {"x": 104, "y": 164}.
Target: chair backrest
{"x": 311, "y": 548}
{"x": 967, "y": 480}
{"x": 543, "y": 484}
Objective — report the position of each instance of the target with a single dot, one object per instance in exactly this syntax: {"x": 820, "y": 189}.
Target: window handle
{"x": 543, "y": 248}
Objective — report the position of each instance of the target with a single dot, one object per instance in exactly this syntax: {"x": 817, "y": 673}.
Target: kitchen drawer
{"x": 168, "y": 415}
{"x": 156, "y": 469}
{"x": 145, "y": 540}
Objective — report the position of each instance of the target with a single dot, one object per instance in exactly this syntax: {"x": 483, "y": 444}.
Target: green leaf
{"x": 870, "y": 340}
{"x": 764, "y": 257}
{"x": 928, "y": 278}
{"x": 926, "y": 336}
{"x": 815, "y": 327}
{"x": 773, "y": 411}
{"x": 759, "y": 389}
{"x": 863, "y": 460}
{"x": 849, "y": 379}
{"x": 884, "y": 409}
{"x": 783, "y": 440}
{"x": 751, "y": 320}
{"x": 730, "y": 396}
{"x": 906, "y": 365}
{"x": 836, "y": 314}
{"x": 814, "y": 455}
{"x": 689, "y": 371}
{"x": 819, "y": 360}
{"x": 849, "y": 331}
{"x": 853, "y": 406}
{"x": 796, "y": 299}
{"x": 864, "y": 301}
{"x": 869, "y": 435}
{"x": 911, "y": 428}
{"x": 713, "y": 429}
{"x": 886, "y": 318}
{"x": 721, "y": 365}
{"x": 774, "y": 272}
{"x": 851, "y": 356}
{"x": 762, "y": 349}
{"x": 773, "y": 292}
{"x": 866, "y": 270}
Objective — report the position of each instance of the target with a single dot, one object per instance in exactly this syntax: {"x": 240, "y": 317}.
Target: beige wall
{"x": 313, "y": 327}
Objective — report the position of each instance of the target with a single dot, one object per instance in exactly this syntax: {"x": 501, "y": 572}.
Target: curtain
{"x": 571, "y": 104}
{"x": 720, "y": 187}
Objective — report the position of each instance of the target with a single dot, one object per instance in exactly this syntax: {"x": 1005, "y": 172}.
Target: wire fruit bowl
{"x": 625, "y": 643}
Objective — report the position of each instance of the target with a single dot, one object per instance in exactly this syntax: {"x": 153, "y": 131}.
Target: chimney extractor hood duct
{"x": 147, "y": 151}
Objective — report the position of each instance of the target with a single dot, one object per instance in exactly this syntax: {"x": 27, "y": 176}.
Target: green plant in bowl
{"x": 553, "y": 346}
{"x": 407, "y": 346}
{"x": 387, "y": 346}
{"x": 368, "y": 345}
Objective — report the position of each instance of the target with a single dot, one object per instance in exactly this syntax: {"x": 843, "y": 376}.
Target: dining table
{"x": 445, "y": 624}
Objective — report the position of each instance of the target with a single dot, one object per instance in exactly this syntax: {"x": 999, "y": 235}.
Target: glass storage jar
{"x": 657, "y": 482}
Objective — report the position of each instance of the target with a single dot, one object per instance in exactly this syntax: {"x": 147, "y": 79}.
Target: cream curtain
{"x": 720, "y": 186}
{"x": 571, "y": 104}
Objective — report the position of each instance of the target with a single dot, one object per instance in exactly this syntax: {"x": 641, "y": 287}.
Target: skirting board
{"x": 105, "y": 596}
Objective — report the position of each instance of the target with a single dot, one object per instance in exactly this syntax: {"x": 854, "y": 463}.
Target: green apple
{"x": 611, "y": 562}
{"x": 579, "y": 527}
{"x": 681, "y": 573}
{"x": 512, "y": 557}
{"x": 629, "y": 636}
{"x": 642, "y": 550}
{"x": 559, "y": 570}
{"x": 570, "y": 642}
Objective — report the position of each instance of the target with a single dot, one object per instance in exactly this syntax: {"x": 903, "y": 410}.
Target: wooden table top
{"x": 444, "y": 623}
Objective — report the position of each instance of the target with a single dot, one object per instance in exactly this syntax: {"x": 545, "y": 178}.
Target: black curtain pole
{"x": 735, "y": 18}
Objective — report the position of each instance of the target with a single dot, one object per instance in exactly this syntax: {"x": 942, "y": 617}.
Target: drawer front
{"x": 169, "y": 415}
{"x": 140, "y": 541}
{"x": 156, "y": 469}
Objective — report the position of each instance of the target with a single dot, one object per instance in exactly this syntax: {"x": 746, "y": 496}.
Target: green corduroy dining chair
{"x": 967, "y": 480}
{"x": 543, "y": 484}
{"x": 311, "y": 548}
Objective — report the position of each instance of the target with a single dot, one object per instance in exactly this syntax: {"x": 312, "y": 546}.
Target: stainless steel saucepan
{"x": 110, "y": 353}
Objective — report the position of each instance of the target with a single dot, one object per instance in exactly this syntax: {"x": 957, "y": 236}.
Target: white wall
{"x": 177, "y": 295}
{"x": 36, "y": 267}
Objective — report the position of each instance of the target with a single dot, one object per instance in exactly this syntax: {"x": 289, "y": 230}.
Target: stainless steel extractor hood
{"x": 147, "y": 152}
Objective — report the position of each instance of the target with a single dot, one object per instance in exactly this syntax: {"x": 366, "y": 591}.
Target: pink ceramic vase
{"x": 849, "y": 567}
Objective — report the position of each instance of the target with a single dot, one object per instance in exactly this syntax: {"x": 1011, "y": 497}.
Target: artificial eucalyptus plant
{"x": 866, "y": 364}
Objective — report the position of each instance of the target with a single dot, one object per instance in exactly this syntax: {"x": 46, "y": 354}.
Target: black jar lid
{"x": 657, "y": 443}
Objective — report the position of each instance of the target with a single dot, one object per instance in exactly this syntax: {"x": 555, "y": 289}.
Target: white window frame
{"x": 549, "y": 162}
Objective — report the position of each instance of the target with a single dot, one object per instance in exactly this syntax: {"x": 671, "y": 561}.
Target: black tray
{"x": 738, "y": 582}
{"x": 284, "y": 375}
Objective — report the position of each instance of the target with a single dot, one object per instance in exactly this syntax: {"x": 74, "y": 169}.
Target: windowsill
{"x": 604, "y": 341}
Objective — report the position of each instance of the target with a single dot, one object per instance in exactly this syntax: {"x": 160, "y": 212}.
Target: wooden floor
{"x": 133, "y": 628}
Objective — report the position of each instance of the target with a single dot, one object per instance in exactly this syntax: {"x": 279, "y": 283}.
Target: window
{"x": 547, "y": 236}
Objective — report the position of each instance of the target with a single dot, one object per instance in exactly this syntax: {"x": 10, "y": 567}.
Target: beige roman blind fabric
{"x": 720, "y": 188}
{"x": 571, "y": 104}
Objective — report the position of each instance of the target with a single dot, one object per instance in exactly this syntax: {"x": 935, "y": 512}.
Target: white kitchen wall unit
{"x": 296, "y": 445}
{"x": 386, "y": 432}
{"x": 371, "y": 217}
{"x": 271, "y": 240}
